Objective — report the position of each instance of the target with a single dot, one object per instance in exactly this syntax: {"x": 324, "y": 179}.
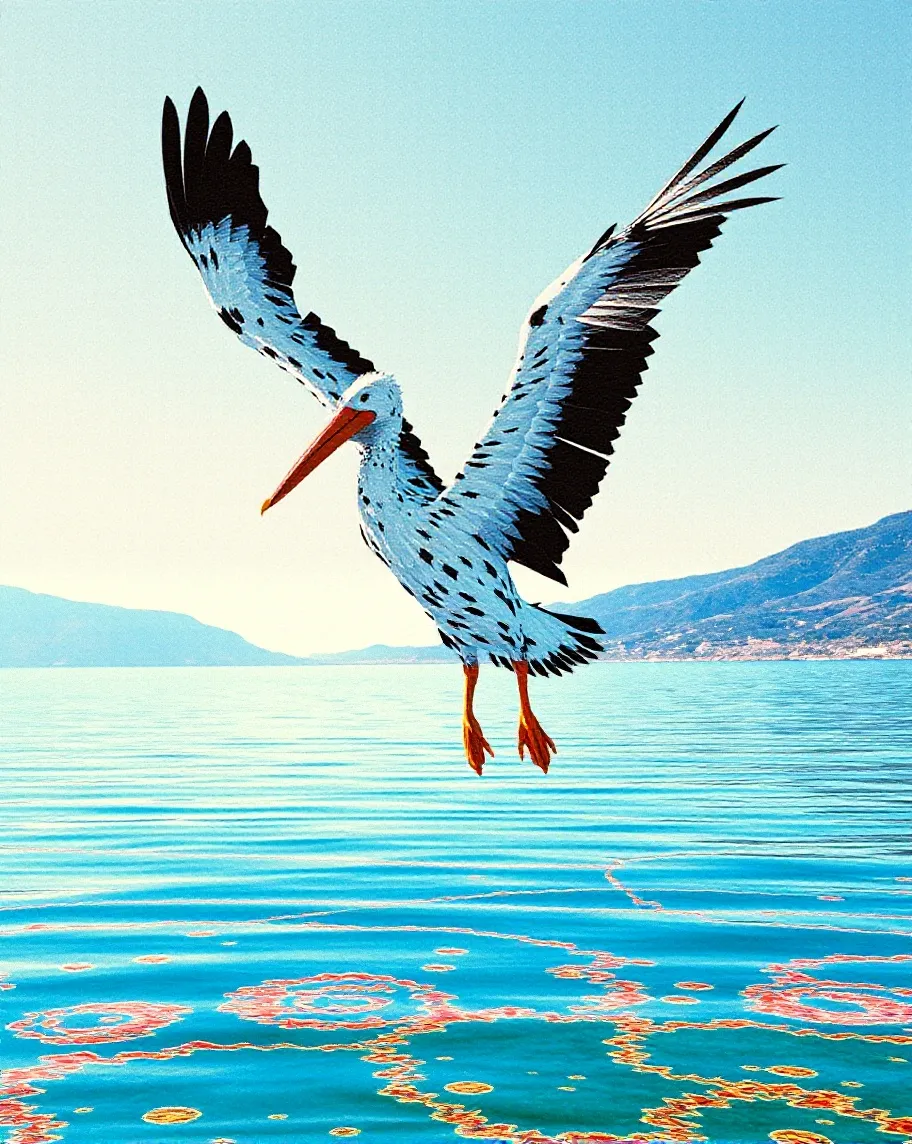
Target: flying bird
{"x": 537, "y": 466}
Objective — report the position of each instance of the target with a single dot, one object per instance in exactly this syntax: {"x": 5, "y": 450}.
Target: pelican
{"x": 538, "y": 464}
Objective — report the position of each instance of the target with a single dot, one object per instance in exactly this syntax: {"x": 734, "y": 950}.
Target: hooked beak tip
{"x": 266, "y": 504}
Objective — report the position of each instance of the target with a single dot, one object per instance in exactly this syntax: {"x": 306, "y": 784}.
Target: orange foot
{"x": 475, "y": 744}
{"x": 540, "y": 744}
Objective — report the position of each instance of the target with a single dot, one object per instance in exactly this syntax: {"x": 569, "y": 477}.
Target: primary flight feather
{"x": 538, "y": 465}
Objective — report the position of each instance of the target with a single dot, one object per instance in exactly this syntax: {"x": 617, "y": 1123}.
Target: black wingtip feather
{"x": 218, "y": 149}
{"x": 196, "y": 132}
{"x": 732, "y": 184}
{"x": 173, "y": 167}
{"x": 715, "y": 135}
{"x": 710, "y": 211}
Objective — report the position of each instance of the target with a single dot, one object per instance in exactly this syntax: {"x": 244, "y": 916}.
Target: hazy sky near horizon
{"x": 432, "y": 166}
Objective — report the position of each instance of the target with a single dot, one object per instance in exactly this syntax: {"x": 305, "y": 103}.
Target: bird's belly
{"x": 463, "y": 586}
{"x": 475, "y": 606}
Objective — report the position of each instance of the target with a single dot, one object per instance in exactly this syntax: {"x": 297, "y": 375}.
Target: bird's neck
{"x": 379, "y": 476}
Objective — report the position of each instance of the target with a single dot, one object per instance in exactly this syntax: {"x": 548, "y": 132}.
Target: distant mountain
{"x": 839, "y": 596}
{"x": 845, "y": 593}
{"x": 385, "y": 653}
{"x": 47, "y": 631}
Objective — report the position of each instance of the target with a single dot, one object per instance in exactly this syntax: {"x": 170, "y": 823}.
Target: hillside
{"x": 851, "y": 591}
{"x": 378, "y": 654}
{"x": 47, "y": 631}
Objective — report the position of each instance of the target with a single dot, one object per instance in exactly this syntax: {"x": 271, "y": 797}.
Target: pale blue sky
{"x": 432, "y": 167}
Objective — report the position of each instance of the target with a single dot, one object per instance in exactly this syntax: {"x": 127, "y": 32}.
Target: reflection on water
{"x": 250, "y": 904}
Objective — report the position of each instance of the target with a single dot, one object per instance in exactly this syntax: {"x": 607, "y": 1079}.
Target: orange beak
{"x": 346, "y": 423}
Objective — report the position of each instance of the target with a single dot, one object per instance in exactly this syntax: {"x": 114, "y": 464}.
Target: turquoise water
{"x": 277, "y": 901}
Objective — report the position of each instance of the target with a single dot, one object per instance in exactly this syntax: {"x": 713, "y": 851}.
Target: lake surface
{"x": 262, "y": 904}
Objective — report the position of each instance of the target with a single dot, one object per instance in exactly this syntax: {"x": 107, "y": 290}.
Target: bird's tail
{"x": 559, "y": 643}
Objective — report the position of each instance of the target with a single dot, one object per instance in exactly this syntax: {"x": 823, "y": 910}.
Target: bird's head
{"x": 376, "y": 393}
{"x": 369, "y": 412}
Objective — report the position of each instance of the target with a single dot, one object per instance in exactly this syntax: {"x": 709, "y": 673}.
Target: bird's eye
{"x": 364, "y": 396}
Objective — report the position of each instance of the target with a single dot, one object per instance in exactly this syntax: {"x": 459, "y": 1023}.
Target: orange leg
{"x": 475, "y": 742}
{"x": 531, "y": 733}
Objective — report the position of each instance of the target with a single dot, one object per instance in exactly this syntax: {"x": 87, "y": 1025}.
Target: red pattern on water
{"x": 358, "y": 1000}
{"x": 792, "y": 988}
{"x": 143, "y": 1018}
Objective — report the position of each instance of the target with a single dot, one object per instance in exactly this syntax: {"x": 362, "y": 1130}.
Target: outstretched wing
{"x": 583, "y": 350}
{"x": 216, "y": 208}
